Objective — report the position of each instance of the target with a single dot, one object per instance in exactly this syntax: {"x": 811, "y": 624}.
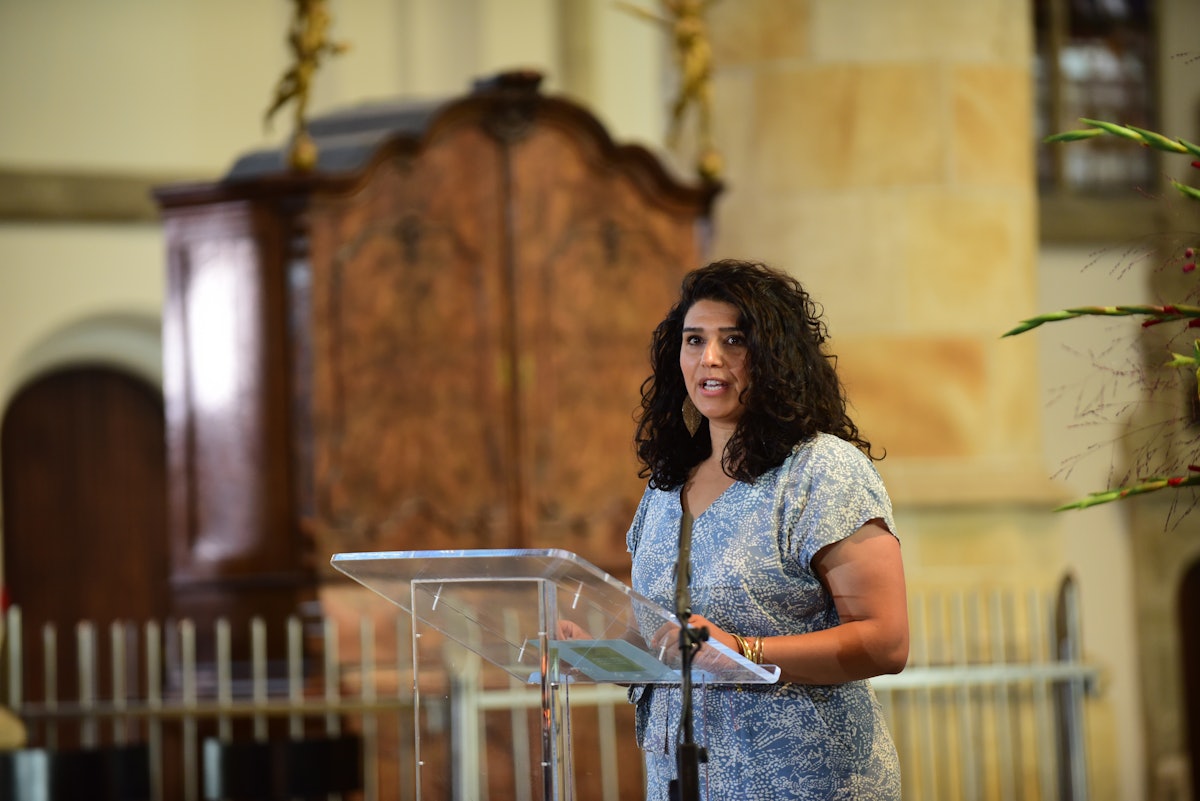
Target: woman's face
{"x": 712, "y": 357}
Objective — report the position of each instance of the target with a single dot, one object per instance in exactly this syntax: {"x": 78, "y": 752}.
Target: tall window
{"x": 1095, "y": 59}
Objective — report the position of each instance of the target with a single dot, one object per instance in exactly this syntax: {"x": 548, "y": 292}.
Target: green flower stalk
{"x": 1154, "y": 315}
{"x": 1139, "y": 135}
{"x": 1148, "y": 485}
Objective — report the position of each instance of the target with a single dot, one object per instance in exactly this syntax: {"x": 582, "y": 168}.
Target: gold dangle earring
{"x": 691, "y": 416}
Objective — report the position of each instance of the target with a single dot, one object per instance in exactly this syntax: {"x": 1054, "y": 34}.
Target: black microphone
{"x": 688, "y": 754}
{"x": 683, "y": 571}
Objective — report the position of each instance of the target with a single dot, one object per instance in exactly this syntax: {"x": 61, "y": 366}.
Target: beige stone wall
{"x": 882, "y": 152}
{"x": 876, "y": 150}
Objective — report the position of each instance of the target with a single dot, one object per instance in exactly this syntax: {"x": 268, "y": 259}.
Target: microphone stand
{"x": 688, "y": 754}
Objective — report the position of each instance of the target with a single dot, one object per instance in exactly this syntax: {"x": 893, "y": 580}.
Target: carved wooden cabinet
{"x": 435, "y": 340}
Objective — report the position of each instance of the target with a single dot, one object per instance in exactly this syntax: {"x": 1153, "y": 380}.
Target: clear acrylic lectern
{"x": 548, "y": 618}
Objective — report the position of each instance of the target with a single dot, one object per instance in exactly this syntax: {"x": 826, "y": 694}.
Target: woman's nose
{"x": 712, "y": 354}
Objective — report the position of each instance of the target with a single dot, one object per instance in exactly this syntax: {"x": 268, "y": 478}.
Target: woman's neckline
{"x": 685, "y": 507}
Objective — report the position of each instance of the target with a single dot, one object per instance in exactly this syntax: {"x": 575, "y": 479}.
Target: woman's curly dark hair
{"x": 794, "y": 391}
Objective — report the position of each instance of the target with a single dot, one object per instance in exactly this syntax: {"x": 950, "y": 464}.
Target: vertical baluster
{"x": 154, "y": 699}
{"x": 16, "y": 648}
{"x": 1002, "y": 698}
{"x": 947, "y": 743}
{"x": 370, "y": 723}
{"x": 85, "y": 643}
{"x": 1070, "y": 651}
{"x": 939, "y": 763}
{"x": 187, "y": 642}
{"x": 295, "y": 673}
{"x": 50, "y": 668}
{"x": 332, "y": 673}
{"x": 1043, "y": 708}
{"x": 933, "y": 696}
{"x": 465, "y": 683}
{"x": 518, "y": 720}
{"x": 967, "y": 620}
{"x": 258, "y": 668}
{"x": 418, "y": 706}
{"x": 606, "y": 717}
{"x": 136, "y": 728}
{"x": 924, "y": 702}
{"x": 1017, "y": 692}
{"x": 116, "y": 636}
{"x": 985, "y": 696}
{"x": 224, "y": 641}
{"x": 406, "y": 734}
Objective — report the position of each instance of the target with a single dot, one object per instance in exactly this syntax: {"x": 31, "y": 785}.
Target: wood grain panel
{"x": 599, "y": 265}
{"x": 411, "y": 377}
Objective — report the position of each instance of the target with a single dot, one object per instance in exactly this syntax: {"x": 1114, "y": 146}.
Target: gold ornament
{"x": 693, "y": 57}
{"x": 308, "y": 39}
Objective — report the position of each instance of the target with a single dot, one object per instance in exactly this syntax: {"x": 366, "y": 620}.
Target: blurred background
{"x": 887, "y": 154}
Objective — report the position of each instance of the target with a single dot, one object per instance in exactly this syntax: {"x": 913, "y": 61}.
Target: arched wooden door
{"x": 84, "y": 506}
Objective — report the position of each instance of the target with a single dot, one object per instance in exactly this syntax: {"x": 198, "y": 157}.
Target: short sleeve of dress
{"x": 634, "y": 535}
{"x": 834, "y": 490}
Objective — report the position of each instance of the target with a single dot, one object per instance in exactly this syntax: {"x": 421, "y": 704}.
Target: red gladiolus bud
{"x": 1193, "y": 323}
{"x": 1196, "y": 164}
{"x": 1174, "y": 482}
{"x": 1189, "y": 253}
{"x": 1191, "y": 265}
{"x": 1194, "y": 468}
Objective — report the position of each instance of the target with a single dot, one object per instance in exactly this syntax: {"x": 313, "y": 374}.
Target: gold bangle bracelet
{"x": 742, "y": 646}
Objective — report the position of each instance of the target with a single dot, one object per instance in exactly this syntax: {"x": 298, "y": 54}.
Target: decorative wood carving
{"x": 434, "y": 340}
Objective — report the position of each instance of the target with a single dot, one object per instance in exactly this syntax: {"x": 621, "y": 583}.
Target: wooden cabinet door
{"x": 598, "y": 265}
{"x": 411, "y": 398}
{"x": 235, "y": 549}
{"x": 440, "y": 347}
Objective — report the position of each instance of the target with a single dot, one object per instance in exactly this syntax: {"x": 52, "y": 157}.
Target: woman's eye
{"x": 691, "y": 340}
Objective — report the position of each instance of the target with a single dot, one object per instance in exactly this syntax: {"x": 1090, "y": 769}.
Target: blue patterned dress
{"x": 752, "y": 551}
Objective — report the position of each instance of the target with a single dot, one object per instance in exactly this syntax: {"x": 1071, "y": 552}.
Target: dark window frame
{"x": 1101, "y": 212}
